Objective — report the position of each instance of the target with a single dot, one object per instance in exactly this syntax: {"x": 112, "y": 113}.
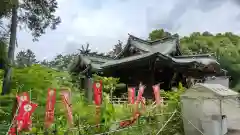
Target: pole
{"x": 13, "y": 120}
{"x": 221, "y": 119}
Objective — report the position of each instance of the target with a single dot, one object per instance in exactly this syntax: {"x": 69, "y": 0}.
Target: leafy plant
{"x": 109, "y": 83}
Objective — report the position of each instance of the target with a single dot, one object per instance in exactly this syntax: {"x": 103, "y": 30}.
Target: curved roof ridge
{"x": 198, "y": 56}
{"x": 139, "y": 39}
{"x": 164, "y": 39}
{"x": 93, "y": 54}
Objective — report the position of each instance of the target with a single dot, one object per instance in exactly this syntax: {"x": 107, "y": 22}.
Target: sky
{"x": 101, "y": 23}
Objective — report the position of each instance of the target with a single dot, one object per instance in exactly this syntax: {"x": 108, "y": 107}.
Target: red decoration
{"x": 66, "y": 101}
{"x": 127, "y": 123}
{"x": 131, "y": 95}
{"x": 156, "y": 90}
{"x": 22, "y": 97}
{"x": 139, "y": 97}
{"x": 51, "y": 100}
{"x": 140, "y": 93}
{"x": 24, "y": 115}
{"x": 97, "y": 89}
{"x": 12, "y": 131}
{"x": 97, "y": 86}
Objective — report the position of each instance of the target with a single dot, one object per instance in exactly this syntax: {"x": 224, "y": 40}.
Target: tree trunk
{"x": 11, "y": 50}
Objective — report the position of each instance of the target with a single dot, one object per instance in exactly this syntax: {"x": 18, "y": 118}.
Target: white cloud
{"x": 104, "y": 22}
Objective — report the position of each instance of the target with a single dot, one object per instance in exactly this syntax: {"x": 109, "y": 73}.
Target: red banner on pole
{"x": 139, "y": 96}
{"x": 97, "y": 87}
{"x": 156, "y": 90}
{"x": 131, "y": 95}
{"x": 24, "y": 115}
{"x": 18, "y": 103}
{"x": 66, "y": 95}
{"x": 140, "y": 93}
{"x": 49, "y": 114}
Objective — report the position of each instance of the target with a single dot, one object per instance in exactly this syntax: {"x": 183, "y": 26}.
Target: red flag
{"x": 18, "y": 102}
{"x": 156, "y": 90}
{"x": 140, "y": 93}
{"x": 22, "y": 97}
{"x": 131, "y": 95}
{"x": 97, "y": 86}
{"x": 139, "y": 97}
{"x": 12, "y": 131}
{"x": 24, "y": 115}
{"x": 51, "y": 100}
{"x": 19, "y": 98}
{"x": 66, "y": 101}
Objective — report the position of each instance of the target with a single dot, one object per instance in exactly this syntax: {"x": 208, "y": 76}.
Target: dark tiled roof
{"x": 161, "y": 48}
{"x": 128, "y": 59}
{"x": 164, "y": 46}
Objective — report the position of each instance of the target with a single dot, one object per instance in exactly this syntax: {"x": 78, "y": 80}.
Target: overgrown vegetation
{"x": 36, "y": 79}
{"x": 28, "y": 75}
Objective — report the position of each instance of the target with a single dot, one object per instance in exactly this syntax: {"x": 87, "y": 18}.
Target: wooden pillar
{"x": 150, "y": 80}
{"x": 89, "y": 89}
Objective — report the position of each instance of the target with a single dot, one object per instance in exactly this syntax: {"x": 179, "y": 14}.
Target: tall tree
{"x": 31, "y": 58}
{"x": 21, "y": 59}
{"x": 3, "y": 55}
{"x": 44, "y": 63}
{"x": 11, "y": 49}
{"x": 26, "y": 58}
{"x": 85, "y": 50}
{"x": 158, "y": 34}
{"x": 60, "y": 62}
{"x": 36, "y": 15}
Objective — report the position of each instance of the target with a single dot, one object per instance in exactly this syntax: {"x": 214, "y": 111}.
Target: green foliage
{"x": 225, "y": 47}
{"x": 109, "y": 83}
{"x": 5, "y": 7}
{"x": 158, "y": 34}
{"x": 25, "y": 58}
{"x": 173, "y": 101}
{"x": 61, "y": 62}
{"x": 38, "y": 15}
{"x": 3, "y": 54}
{"x": 38, "y": 79}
